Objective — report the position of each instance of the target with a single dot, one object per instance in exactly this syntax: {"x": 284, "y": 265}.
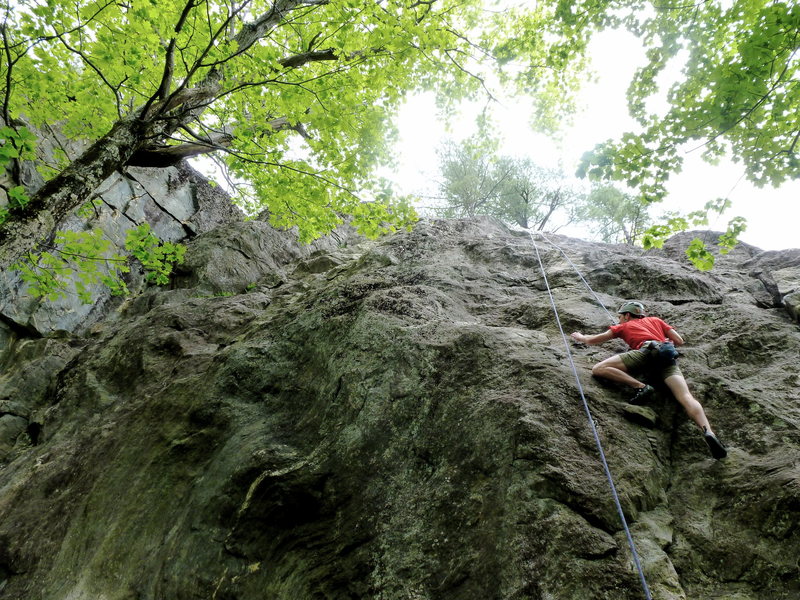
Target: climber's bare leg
{"x": 614, "y": 369}
{"x": 680, "y": 389}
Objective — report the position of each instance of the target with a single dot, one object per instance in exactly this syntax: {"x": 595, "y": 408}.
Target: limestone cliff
{"x": 398, "y": 420}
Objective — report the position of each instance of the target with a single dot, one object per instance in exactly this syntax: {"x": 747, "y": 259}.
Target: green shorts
{"x": 636, "y": 361}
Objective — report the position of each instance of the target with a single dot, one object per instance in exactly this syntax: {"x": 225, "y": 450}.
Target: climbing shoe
{"x": 642, "y": 395}
{"x": 717, "y": 449}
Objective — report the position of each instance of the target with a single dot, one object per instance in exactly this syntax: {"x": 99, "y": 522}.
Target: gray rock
{"x": 6, "y": 338}
{"x": 177, "y": 202}
{"x": 11, "y": 427}
{"x": 170, "y": 190}
{"x": 787, "y": 279}
{"x": 237, "y": 257}
{"x": 399, "y": 419}
{"x": 792, "y": 304}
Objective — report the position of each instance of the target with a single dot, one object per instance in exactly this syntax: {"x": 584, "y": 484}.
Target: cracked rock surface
{"x": 398, "y": 419}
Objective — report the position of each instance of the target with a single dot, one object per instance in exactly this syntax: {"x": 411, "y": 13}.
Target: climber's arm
{"x": 675, "y": 337}
{"x": 593, "y": 339}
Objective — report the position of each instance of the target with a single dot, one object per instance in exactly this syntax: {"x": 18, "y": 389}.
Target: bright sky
{"x": 772, "y": 215}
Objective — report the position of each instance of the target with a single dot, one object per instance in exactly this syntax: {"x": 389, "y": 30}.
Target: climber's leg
{"x": 680, "y": 389}
{"x": 614, "y": 369}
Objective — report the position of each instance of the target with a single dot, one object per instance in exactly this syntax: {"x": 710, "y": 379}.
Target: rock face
{"x": 177, "y": 202}
{"x": 398, "y": 420}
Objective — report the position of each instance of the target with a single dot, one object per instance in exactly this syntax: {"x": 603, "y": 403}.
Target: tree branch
{"x": 157, "y": 105}
{"x": 7, "y": 94}
{"x": 794, "y": 143}
{"x": 298, "y": 60}
{"x": 252, "y": 32}
{"x": 169, "y": 59}
{"x": 166, "y": 156}
{"x": 249, "y": 34}
{"x": 195, "y": 97}
{"x": 322, "y": 178}
{"x": 85, "y": 59}
{"x": 471, "y": 74}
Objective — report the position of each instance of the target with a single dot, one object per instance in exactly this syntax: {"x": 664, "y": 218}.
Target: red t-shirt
{"x": 637, "y": 331}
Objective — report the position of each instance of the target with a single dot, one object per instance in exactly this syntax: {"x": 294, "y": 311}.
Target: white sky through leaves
{"x": 772, "y": 214}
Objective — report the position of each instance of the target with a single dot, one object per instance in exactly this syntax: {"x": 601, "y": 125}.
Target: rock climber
{"x": 652, "y": 343}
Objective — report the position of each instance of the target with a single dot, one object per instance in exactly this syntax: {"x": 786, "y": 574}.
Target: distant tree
{"x": 531, "y": 195}
{"x": 469, "y": 183}
{"x": 515, "y": 190}
{"x": 617, "y": 216}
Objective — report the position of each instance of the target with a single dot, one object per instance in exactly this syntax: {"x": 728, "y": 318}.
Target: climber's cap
{"x": 634, "y": 308}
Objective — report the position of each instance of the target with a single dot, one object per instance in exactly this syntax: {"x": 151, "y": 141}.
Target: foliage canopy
{"x": 295, "y": 97}
{"x": 739, "y": 91}
{"x": 254, "y": 81}
{"x": 738, "y": 94}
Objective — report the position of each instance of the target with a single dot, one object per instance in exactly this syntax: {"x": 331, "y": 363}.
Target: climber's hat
{"x": 632, "y": 307}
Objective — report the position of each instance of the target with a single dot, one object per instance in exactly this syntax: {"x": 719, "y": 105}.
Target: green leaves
{"x": 738, "y": 92}
{"x": 697, "y": 252}
{"x": 699, "y": 255}
{"x": 78, "y": 260}
{"x": 17, "y": 198}
{"x": 81, "y": 262}
{"x": 729, "y": 239}
{"x": 158, "y": 258}
{"x": 15, "y": 144}
{"x": 302, "y": 97}
{"x": 331, "y": 72}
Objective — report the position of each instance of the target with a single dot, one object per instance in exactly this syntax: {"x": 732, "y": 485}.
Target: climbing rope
{"x": 594, "y": 428}
{"x": 586, "y": 283}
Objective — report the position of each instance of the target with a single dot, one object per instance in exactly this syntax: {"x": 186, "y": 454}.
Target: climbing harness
{"x": 589, "y": 414}
{"x": 661, "y": 354}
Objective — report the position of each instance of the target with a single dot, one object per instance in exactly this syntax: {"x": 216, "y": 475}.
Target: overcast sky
{"x": 772, "y": 215}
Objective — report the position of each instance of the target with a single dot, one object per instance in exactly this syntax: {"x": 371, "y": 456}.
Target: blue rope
{"x": 586, "y": 283}
{"x": 594, "y": 431}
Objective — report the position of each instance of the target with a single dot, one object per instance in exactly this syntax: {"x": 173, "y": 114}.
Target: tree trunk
{"x": 69, "y": 189}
